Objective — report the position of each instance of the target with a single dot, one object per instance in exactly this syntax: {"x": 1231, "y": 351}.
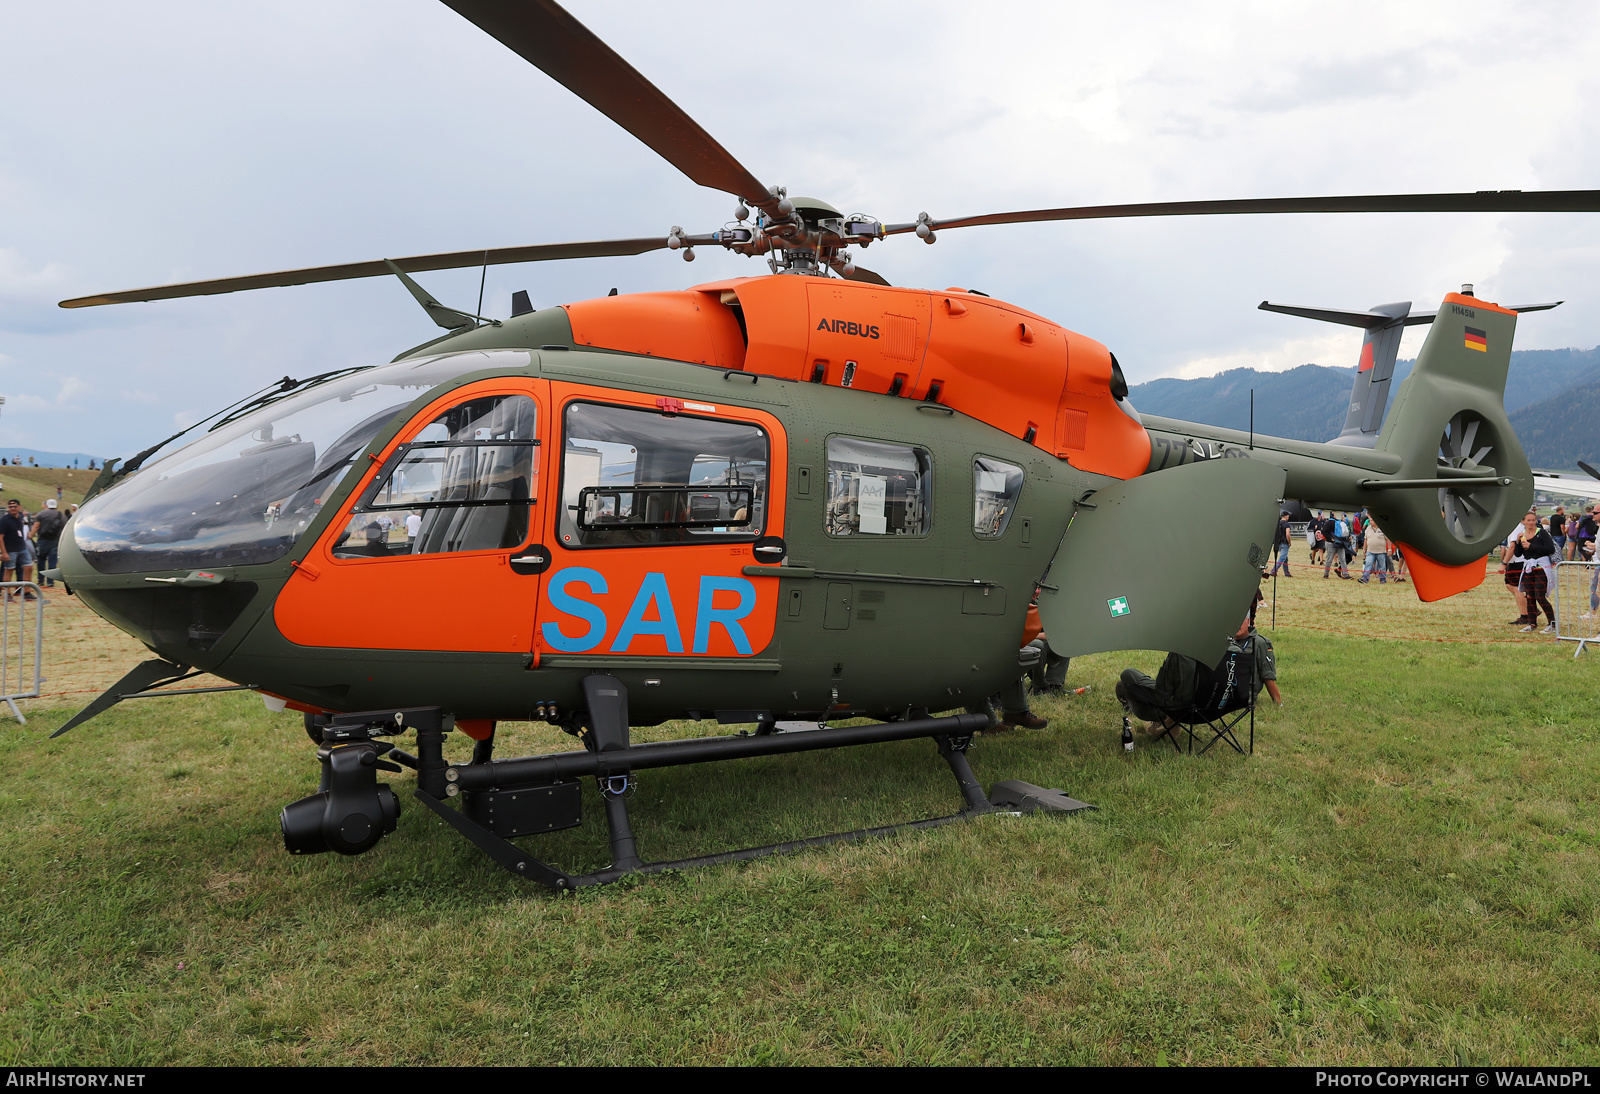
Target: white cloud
{"x": 1334, "y": 349}
{"x": 71, "y": 388}
{"x": 19, "y": 277}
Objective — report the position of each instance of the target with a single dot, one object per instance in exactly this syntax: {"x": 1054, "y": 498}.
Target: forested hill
{"x": 1553, "y": 396}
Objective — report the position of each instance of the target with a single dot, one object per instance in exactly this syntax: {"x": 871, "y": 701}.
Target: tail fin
{"x": 1375, "y": 367}
{"x": 1463, "y": 479}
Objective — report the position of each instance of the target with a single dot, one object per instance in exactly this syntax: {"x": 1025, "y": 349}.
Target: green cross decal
{"x": 1118, "y": 605}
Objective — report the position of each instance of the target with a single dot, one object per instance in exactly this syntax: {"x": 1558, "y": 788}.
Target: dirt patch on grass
{"x": 82, "y": 654}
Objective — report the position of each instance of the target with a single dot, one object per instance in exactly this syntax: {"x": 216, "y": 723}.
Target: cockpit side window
{"x": 464, "y": 483}
{"x": 635, "y": 477}
{"x": 246, "y": 490}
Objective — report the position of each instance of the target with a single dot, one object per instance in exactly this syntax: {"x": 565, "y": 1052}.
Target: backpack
{"x": 1340, "y": 529}
{"x": 50, "y": 522}
{"x": 1230, "y": 684}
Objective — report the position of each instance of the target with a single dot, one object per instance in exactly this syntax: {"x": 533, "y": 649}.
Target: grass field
{"x": 1404, "y": 872}
{"x": 32, "y": 485}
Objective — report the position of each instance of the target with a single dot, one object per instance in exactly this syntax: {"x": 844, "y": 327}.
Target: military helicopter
{"x": 760, "y": 500}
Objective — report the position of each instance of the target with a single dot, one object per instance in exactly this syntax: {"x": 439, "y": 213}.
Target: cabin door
{"x": 668, "y": 510}
{"x": 439, "y": 549}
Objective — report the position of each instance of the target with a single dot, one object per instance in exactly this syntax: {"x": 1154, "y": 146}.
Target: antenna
{"x": 482, "y": 279}
{"x": 1252, "y": 419}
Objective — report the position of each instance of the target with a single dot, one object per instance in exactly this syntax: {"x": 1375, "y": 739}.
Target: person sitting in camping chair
{"x": 1185, "y": 691}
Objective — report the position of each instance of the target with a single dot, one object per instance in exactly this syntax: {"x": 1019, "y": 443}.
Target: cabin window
{"x": 637, "y": 477}
{"x": 995, "y": 486}
{"x": 465, "y": 483}
{"x": 877, "y": 489}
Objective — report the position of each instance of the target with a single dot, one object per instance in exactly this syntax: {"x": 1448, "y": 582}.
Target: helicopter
{"x": 759, "y": 500}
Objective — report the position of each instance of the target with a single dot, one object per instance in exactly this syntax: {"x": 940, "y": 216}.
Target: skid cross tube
{"x": 564, "y": 766}
{"x": 611, "y": 760}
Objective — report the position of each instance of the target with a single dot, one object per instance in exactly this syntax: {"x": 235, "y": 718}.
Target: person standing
{"x": 1513, "y": 575}
{"x": 47, "y": 536}
{"x": 1334, "y": 534}
{"x": 1280, "y": 543}
{"x": 1558, "y": 530}
{"x": 1583, "y": 549}
{"x": 1537, "y": 550}
{"x": 14, "y": 548}
{"x": 1377, "y": 556}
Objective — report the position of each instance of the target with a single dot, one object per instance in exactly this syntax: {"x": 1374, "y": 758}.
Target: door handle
{"x": 534, "y": 559}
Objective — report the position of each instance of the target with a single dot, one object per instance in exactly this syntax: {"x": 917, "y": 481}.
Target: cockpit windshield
{"x": 243, "y": 494}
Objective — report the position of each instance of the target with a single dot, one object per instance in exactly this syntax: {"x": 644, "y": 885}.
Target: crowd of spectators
{"x": 30, "y": 539}
{"x": 1335, "y": 540}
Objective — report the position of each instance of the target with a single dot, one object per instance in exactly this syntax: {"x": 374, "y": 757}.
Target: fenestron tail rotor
{"x": 1468, "y": 445}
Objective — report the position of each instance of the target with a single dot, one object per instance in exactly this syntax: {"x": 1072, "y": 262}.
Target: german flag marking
{"x": 1478, "y": 340}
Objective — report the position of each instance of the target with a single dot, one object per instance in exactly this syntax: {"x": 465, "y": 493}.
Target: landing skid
{"x": 504, "y": 799}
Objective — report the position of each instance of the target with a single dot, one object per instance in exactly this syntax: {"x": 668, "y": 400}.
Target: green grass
{"x": 32, "y": 485}
{"x": 1404, "y": 872}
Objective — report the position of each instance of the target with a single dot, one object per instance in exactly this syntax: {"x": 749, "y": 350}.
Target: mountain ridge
{"x": 1552, "y": 397}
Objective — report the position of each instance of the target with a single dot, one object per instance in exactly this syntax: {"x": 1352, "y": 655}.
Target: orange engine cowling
{"x": 988, "y": 359}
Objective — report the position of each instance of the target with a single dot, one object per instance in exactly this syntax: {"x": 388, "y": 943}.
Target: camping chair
{"x": 1221, "y": 712}
{"x": 1223, "y": 727}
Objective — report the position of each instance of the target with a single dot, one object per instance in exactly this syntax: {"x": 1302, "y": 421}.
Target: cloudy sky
{"x": 172, "y": 140}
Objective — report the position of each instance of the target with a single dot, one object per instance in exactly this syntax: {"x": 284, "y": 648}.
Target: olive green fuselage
{"x": 873, "y": 624}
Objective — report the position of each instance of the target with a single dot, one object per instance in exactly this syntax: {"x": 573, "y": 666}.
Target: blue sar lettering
{"x": 653, "y": 589}
{"x": 653, "y": 597}
{"x": 705, "y": 614}
{"x": 564, "y": 602}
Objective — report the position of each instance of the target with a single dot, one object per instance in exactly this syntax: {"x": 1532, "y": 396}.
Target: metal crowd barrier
{"x": 21, "y": 643}
{"x": 1575, "y": 600}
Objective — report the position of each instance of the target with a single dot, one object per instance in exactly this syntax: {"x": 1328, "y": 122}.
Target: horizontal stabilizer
{"x": 1371, "y": 319}
{"x": 1375, "y": 367}
{"x": 1380, "y": 315}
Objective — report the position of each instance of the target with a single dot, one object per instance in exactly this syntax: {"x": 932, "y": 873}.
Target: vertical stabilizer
{"x": 1464, "y": 481}
{"x": 1374, "y": 369}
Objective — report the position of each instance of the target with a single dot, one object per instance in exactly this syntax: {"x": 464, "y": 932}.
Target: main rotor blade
{"x": 1483, "y": 201}
{"x": 454, "y": 260}
{"x": 544, "y": 34}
